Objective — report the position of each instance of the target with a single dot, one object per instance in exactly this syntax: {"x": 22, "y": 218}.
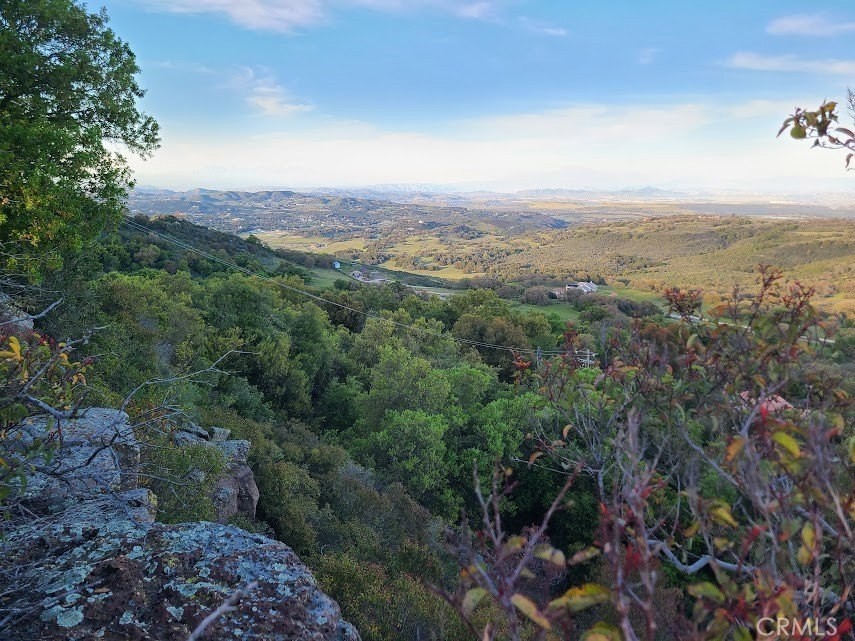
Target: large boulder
{"x": 93, "y": 572}
{"x": 96, "y": 453}
{"x": 95, "y": 565}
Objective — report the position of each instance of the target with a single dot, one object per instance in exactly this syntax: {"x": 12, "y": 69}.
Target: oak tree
{"x": 68, "y": 116}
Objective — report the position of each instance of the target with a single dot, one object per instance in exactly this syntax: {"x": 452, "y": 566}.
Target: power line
{"x": 320, "y": 299}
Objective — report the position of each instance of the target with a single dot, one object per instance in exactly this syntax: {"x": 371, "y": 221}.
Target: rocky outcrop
{"x": 235, "y": 491}
{"x": 96, "y": 566}
{"x": 97, "y": 453}
{"x": 12, "y": 317}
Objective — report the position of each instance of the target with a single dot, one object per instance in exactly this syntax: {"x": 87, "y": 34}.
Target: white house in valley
{"x": 585, "y": 287}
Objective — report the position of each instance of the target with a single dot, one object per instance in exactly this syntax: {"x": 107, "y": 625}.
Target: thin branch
{"x": 227, "y": 606}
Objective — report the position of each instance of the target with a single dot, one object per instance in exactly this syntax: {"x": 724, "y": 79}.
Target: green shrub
{"x": 183, "y": 478}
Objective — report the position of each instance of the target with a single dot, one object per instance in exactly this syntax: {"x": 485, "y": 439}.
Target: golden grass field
{"x": 642, "y": 256}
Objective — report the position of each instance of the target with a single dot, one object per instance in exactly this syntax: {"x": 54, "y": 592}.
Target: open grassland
{"x": 445, "y": 273}
{"x": 638, "y": 258}
{"x": 708, "y": 252}
{"x": 285, "y": 240}
{"x": 325, "y": 278}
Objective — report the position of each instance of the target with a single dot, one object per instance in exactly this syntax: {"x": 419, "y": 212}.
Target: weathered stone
{"x": 97, "y": 453}
{"x": 142, "y": 504}
{"x": 220, "y": 434}
{"x": 235, "y": 451}
{"x": 185, "y": 439}
{"x": 93, "y": 573}
{"x": 100, "y": 568}
{"x": 236, "y": 493}
{"x": 195, "y": 430}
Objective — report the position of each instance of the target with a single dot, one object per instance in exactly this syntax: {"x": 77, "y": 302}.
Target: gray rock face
{"x": 234, "y": 451}
{"x": 236, "y": 491}
{"x": 141, "y": 504}
{"x": 13, "y": 317}
{"x": 92, "y": 572}
{"x": 195, "y": 430}
{"x": 99, "y": 567}
{"x": 97, "y": 453}
{"x": 220, "y": 434}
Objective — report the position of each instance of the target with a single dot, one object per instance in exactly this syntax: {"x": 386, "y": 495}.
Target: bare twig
{"x": 227, "y": 606}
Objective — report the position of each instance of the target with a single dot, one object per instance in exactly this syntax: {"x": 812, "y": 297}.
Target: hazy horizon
{"x": 463, "y": 190}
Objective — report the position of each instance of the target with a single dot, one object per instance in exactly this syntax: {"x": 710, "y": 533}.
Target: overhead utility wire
{"x": 320, "y": 299}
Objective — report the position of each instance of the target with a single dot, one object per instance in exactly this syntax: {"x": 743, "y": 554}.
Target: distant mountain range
{"x": 410, "y": 190}
{"x": 537, "y": 207}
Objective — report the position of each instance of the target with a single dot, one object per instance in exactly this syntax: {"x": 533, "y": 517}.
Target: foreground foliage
{"x": 722, "y": 453}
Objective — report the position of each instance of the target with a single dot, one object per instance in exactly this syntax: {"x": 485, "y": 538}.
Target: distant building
{"x": 586, "y": 287}
{"x": 772, "y": 404}
{"x": 336, "y": 264}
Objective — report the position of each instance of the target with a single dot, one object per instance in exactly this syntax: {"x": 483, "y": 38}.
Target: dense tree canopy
{"x": 68, "y": 112}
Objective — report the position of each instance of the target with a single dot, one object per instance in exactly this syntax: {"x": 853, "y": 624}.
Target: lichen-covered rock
{"x": 94, "y": 573}
{"x": 195, "y": 430}
{"x": 234, "y": 451}
{"x": 97, "y": 566}
{"x": 236, "y": 493}
{"x": 142, "y": 504}
{"x": 185, "y": 439}
{"x": 97, "y": 452}
{"x": 220, "y": 434}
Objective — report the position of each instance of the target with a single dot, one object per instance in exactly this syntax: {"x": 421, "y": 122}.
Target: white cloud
{"x": 809, "y": 25}
{"x": 647, "y": 55}
{"x": 791, "y": 63}
{"x": 765, "y": 110}
{"x": 288, "y": 15}
{"x": 183, "y": 66}
{"x": 679, "y": 145}
{"x": 542, "y": 28}
{"x": 264, "y": 94}
{"x": 272, "y": 15}
{"x": 476, "y": 10}
{"x": 596, "y": 125}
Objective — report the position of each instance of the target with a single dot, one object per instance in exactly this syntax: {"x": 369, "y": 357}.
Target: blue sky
{"x": 500, "y": 94}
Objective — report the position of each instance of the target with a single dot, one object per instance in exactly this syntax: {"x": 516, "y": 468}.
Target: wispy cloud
{"x": 475, "y": 10}
{"x": 264, "y": 94}
{"x": 791, "y": 63}
{"x": 542, "y": 28}
{"x": 269, "y": 15}
{"x": 288, "y": 15}
{"x": 809, "y": 25}
{"x": 647, "y": 55}
{"x": 183, "y": 66}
